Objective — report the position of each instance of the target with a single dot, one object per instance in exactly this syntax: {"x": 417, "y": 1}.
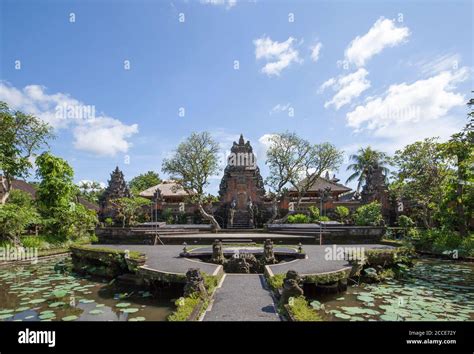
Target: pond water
{"x": 433, "y": 290}
{"x": 39, "y": 293}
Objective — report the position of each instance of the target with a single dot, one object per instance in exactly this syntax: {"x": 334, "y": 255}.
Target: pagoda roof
{"x": 324, "y": 183}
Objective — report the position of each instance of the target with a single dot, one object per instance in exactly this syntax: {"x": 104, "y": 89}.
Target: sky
{"x": 124, "y": 82}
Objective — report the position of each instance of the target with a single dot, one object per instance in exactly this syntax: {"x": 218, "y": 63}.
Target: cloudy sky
{"x": 123, "y": 82}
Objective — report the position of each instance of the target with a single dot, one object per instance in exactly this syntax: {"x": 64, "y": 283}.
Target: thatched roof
{"x": 323, "y": 183}
{"x": 167, "y": 188}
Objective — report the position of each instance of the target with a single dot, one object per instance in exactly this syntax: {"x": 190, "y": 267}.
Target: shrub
{"x": 324, "y": 218}
{"x": 298, "y": 219}
{"x": 369, "y": 215}
{"x": 301, "y": 311}
{"x": 342, "y": 212}
{"x": 109, "y": 221}
{"x": 20, "y": 198}
{"x": 14, "y": 220}
{"x": 276, "y": 282}
{"x": 405, "y": 221}
{"x": 33, "y": 242}
{"x": 314, "y": 213}
{"x": 444, "y": 241}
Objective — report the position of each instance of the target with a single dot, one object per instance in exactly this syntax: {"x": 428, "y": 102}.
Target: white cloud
{"x": 101, "y": 135}
{"x": 104, "y": 136}
{"x": 408, "y": 112}
{"x": 384, "y": 33}
{"x": 347, "y": 86}
{"x": 315, "y": 51}
{"x": 279, "y": 108}
{"x": 279, "y": 55}
{"x": 227, "y": 3}
{"x": 440, "y": 63}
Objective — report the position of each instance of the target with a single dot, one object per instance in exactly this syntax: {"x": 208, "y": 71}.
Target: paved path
{"x": 242, "y": 297}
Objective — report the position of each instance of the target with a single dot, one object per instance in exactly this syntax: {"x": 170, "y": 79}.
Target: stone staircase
{"x": 241, "y": 221}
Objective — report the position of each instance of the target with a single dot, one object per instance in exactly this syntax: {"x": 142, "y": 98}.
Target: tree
{"x": 57, "y": 199}
{"x": 21, "y": 135}
{"x": 191, "y": 165}
{"x": 128, "y": 209}
{"x": 296, "y": 162}
{"x": 459, "y": 190}
{"x": 363, "y": 161}
{"x": 90, "y": 190}
{"x": 144, "y": 181}
{"x": 422, "y": 172}
{"x": 342, "y": 212}
{"x": 56, "y": 189}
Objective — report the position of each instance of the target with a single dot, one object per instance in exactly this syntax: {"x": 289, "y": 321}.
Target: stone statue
{"x": 233, "y": 205}
{"x": 217, "y": 253}
{"x": 291, "y": 286}
{"x": 250, "y": 210}
{"x": 268, "y": 255}
{"x": 194, "y": 283}
{"x": 242, "y": 263}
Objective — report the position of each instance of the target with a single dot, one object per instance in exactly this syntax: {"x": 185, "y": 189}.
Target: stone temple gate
{"x": 241, "y": 190}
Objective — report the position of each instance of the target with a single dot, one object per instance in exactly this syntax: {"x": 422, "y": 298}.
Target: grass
{"x": 301, "y": 311}
{"x": 276, "y": 282}
{"x": 184, "y": 308}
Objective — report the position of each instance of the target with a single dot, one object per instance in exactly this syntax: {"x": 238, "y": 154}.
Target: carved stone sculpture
{"x": 217, "y": 253}
{"x": 291, "y": 286}
{"x": 194, "y": 283}
{"x": 268, "y": 254}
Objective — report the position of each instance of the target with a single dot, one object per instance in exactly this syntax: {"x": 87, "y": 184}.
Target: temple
{"x": 242, "y": 201}
{"x": 241, "y": 191}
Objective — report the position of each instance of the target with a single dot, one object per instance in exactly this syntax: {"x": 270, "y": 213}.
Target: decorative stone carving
{"x": 217, "y": 253}
{"x": 194, "y": 283}
{"x": 375, "y": 189}
{"x": 291, "y": 286}
{"x": 268, "y": 254}
{"x": 241, "y": 189}
{"x": 116, "y": 188}
{"x": 242, "y": 263}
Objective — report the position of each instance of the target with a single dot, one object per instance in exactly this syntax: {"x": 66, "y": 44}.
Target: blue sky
{"x": 353, "y": 73}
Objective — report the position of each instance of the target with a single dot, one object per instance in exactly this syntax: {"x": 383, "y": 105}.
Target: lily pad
{"x": 130, "y": 310}
{"x": 123, "y": 304}
{"x": 137, "y": 319}
{"x": 96, "y": 312}
{"x": 69, "y": 318}
{"x": 57, "y": 304}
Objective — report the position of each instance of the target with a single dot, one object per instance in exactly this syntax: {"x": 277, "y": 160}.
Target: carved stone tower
{"x": 116, "y": 188}
{"x": 241, "y": 190}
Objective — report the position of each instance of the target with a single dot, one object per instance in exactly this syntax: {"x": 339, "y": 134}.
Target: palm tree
{"x": 363, "y": 160}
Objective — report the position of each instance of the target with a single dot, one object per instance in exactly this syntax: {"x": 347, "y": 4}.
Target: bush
{"x": 33, "y": 242}
{"x": 298, "y": 219}
{"x": 444, "y": 241}
{"x": 369, "y": 215}
{"x": 324, "y": 218}
{"x": 301, "y": 311}
{"x": 342, "y": 212}
{"x": 20, "y": 198}
{"x": 109, "y": 222}
{"x": 14, "y": 220}
{"x": 405, "y": 221}
{"x": 314, "y": 213}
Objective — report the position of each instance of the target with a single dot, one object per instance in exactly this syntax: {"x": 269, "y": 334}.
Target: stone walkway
{"x": 242, "y": 297}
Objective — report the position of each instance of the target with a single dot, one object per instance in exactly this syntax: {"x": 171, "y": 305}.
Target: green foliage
{"x": 369, "y": 215}
{"x": 14, "y": 220}
{"x": 91, "y": 191}
{"x": 298, "y": 219}
{"x": 72, "y": 223}
{"x": 109, "y": 221}
{"x": 184, "y": 308}
{"x": 144, "y": 181}
{"x": 342, "y": 212}
{"x": 276, "y": 282}
{"x": 21, "y": 135}
{"x": 405, "y": 221}
{"x": 191, "y": 165}
{"x": 129, "y": 210}
{"x": 365, "y": 159}
{"x": 314, "y": 213}
{"x": 20, "y": 198}
{"x": 324, "y": 218}
{"x": 422, "y": 173}
{"x": 301, "y": 311}
{"x": 443, "y": 240}
{"x": 56, "y": 189}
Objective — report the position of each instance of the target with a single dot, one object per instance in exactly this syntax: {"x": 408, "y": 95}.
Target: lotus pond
{"x": 39, "y": 293}
{"x": 433, "y": 290}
